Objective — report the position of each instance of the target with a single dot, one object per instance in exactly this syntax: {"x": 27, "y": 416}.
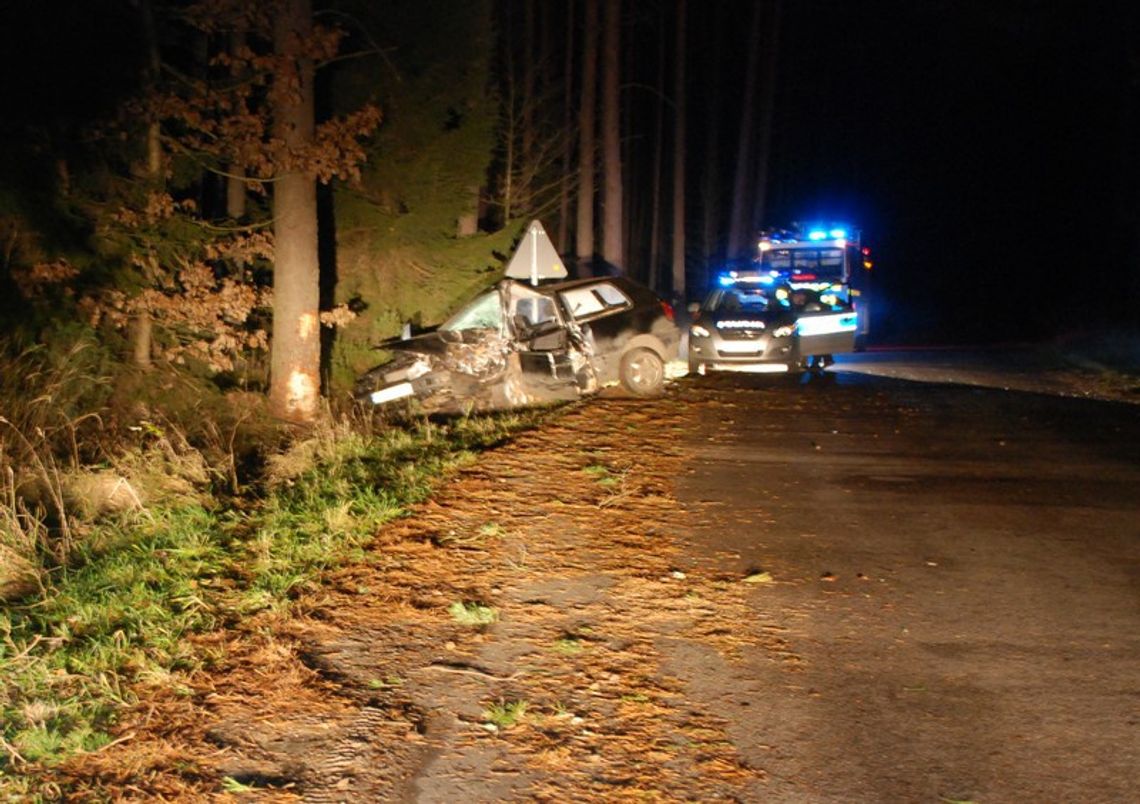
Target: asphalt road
{"x": 954, "y": 610}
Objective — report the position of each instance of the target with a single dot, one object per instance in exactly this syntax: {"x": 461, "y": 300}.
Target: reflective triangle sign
{"x": 535, "y": 258}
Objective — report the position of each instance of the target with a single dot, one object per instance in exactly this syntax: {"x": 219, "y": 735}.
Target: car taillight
{"x": 667, "y": 308}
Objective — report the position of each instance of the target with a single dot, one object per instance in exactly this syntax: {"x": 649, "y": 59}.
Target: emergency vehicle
{"x": 804, "y": 292}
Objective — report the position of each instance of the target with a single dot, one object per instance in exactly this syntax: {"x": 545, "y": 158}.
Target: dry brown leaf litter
{"x": 372, "y": 687}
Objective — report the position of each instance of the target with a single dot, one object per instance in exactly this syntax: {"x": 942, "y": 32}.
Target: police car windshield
{"x": 739, "y": 300}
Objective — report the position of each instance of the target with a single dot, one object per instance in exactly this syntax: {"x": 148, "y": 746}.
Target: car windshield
{"x": 740, "y": 300}
{"x": 485, "y": 311}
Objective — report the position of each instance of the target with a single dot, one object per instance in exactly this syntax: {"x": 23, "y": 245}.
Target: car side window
{"x": 593, "y": 300}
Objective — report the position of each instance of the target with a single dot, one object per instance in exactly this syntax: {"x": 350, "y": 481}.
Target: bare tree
{"x": 613, "y": 229}
{"x": 586, "y": 136}
{"x": 295, "y": 356}
{"x": 679, "y": 158}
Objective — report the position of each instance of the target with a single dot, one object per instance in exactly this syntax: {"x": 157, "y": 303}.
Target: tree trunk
{"x": 467, "y": 225}
{"x": 235, "y": 182}
{"x": 567, "y": 127}
{"x": 295, "y": 355}
{"x": 711, "y": 191}
{"x": 741, "y": 208}
{"x": 235, "y": 193}
{"x": 767, "y": 108}
{"x": 679, "y": 160}
{"x": 586, "y": 138}
{"x": 613, "y": 228}
{"x": 658, "y": 158}
{"x": 526, "y": 149}
{"x": 142, "y": 333}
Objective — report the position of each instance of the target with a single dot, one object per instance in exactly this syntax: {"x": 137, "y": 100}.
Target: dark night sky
{"x": 985, "y": 147}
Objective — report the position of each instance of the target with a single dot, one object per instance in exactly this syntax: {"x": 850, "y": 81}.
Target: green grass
{"x": 602, "y": 474}
{"x": 505, "y": 714}
{"x": 568, "y": 646}
{"x": 472, "y": 613}
{"x": 119, "y": 615}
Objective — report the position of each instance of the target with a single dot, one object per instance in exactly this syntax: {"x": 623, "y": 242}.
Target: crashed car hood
{"x": 428, "y": 343}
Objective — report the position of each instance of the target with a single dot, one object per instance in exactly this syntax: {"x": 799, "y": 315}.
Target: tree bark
{"x": 767, "y": 108}
{"x": 613, "y": 228}
{"x": 658, "y": 158}
{"x": 567, "y": 127}
{"x": 711, "y": 191}
{"x": 142, "y": 333}
{"x": 586, "y": 137}
{"x": 741, "y": 208}
{"x": 235, "y": 182}
{"x": 679, "y": 160}
{"x": 295, "y": 351}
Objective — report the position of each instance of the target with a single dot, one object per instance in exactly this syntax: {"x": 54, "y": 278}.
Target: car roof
{"x": 553, "y": 287}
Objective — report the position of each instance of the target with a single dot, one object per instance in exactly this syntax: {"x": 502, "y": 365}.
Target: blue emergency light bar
{"x": 731, "y": 278}
{"x": 814, "y": 234}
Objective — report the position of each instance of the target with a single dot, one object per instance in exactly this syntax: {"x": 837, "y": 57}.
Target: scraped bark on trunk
{"x": 296, "y": 346}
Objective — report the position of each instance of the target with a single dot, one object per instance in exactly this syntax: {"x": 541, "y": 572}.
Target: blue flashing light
{"x": 726, "y": 281}
{"x": 838, "y": 233}
{"x": 817, "y": 234}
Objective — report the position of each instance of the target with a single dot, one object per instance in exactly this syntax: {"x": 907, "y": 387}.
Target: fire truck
{"x": 825, "y": 267}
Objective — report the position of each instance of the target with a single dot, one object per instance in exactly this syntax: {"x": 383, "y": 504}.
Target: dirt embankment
{"x": 389, "y": 683}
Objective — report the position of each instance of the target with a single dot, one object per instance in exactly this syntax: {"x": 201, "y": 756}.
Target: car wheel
{"x": 642, "y": 372}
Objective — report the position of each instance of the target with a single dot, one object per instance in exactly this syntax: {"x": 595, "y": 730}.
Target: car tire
{"x": 642, "y": 372}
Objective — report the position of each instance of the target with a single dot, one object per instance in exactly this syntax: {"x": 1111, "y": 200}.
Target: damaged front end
{"x": 444, "y": 372}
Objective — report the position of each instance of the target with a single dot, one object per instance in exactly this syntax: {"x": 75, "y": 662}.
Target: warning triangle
{"x": 535, "y": 258}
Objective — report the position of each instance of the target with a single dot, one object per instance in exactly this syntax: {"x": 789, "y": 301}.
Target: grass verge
{"x": 117, "y": 617}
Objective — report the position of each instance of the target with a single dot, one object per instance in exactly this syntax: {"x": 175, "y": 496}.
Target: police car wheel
{"x": 642, "y": 372}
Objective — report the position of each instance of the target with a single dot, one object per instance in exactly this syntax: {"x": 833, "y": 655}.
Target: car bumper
{"x": 759, "y": 355}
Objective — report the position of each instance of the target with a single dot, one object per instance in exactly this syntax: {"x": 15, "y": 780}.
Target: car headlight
{"x": 783, "y": 332}
{"x": 698, "y": 331}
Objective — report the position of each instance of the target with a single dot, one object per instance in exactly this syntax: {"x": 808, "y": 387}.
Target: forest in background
{"x": 138, "y": 184}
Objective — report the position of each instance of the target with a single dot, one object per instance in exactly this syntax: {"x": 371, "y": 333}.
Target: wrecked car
{"x": 520, "y": 344}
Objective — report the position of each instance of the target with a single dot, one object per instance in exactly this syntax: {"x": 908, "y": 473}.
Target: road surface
{"x": 851, "y": 589}
{"x": 955, "y": 572}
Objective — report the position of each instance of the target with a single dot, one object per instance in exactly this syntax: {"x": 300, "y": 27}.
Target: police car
{"x": 790, "y": 309}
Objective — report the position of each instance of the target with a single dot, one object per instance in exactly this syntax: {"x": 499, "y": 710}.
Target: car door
{"x": 543, "y": 342}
